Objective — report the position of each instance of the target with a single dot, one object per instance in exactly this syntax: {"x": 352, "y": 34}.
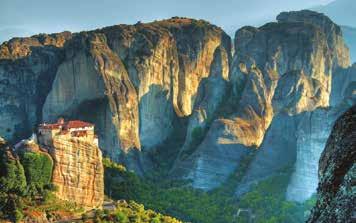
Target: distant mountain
{"x": 341, "y": 12}
{"x": 349, "y": 34}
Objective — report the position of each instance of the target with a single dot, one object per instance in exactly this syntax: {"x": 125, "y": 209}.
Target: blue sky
{"x": 24, "y": 17}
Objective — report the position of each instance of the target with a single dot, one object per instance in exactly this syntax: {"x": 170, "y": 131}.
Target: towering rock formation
{"x": 78, "y": 171}
{"x": 304, "y": 99}
{"x": 131, "y": 81}
{"x": 73, "y": 151}
{"x": 27, "y": 69}
{"x": 281, "y": 76}
{"x": 337, "y": 171}
{"x": 135, "y": 82}
{"x": 313, "y": 131}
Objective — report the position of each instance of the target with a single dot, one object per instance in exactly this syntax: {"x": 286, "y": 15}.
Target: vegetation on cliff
{"x": 26, "y": 187}
{"x": 38, "y": 170}
{"x": 126, "y": 212}
{"x": 13, "y": 186}
{"x": 266, "y": 201}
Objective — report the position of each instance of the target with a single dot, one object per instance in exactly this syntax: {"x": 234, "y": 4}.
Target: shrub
{"x": 121, "y": 217}
{"x": 38, "y": 170}
{"x": 108, "y": 163}
{"x": 12, "y": 175}
{"x": 18, "y": 215}
{"x": 267, "y": 201}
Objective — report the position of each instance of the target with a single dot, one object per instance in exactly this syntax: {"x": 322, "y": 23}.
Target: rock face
{"x": 304, "y": 100}
{"x": 137, "y": 78}
{"x": 136, "y": 82}
{"x": 314, "y": 130}
{"x": 78, "y": 171}
{"x": 337, "y": 172}
{"x": 27, "y": 69}
{"x": 281, "y": 77}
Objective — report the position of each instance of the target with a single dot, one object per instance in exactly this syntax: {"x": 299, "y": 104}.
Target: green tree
{"x": 121, "y": 217}
{"x": 12, "y": 185}
{"x": 38, "y": 170}
{"x": 12, "y": 176}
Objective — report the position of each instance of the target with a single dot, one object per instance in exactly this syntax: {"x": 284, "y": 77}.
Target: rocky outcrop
{"x": 91, "y": 72}
{"x": 280, "y": 74}
{"x": 314, "y": 130}
{"x": 78, "y": 171}
{"x": 210, "y": 96}
{"x": 138, "y": 78}
{"x": 76, "y": 167}
{"x": 136, "y": 82}
{"x": 337, "y": 171}
{"x": 144, "y": 75}
{"x": 27, "y": 69}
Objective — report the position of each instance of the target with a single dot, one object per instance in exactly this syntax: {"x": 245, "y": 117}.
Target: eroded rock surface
{"x": 27, "y": 69}
{"x": 337, "y": 174}
{"x": 145, "y": 75}
{"x": 280, "y": 81}
{"x": 78, "y": 171}
{"x": 136, "y": 82}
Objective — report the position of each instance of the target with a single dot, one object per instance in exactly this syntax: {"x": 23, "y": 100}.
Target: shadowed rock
{"x": 337, "y": 172}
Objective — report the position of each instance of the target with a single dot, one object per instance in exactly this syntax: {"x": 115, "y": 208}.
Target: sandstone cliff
{"x": 138, "y": 78}
{"x": 136, "y": 82}
{"x": 281, "y": 78}
{"x": 78, "y": 171}
{"x": 27, "y": 69}
{"x": 337, "y": 170}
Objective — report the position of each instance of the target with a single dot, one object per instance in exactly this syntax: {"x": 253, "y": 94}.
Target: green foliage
{"x": 38, "y": 170}
{"x": 112, "y": 165}
{"x": 164, "y": 155}
{"x": 18, "y": 215}
{"x": 268, "y": 204}
{"x": 197, "y": 135}
{"x": 12, "y": 176}
{"x": 121, "y": 217}
{"x": 13, "y": 185}
{"x": 25, "y": 183}
{"x": 170, "y": 198}
{"x": 132, "y": 212}
{"x": 266, "y": 200}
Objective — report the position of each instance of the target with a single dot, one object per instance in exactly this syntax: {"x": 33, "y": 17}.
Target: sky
{"x": 25, "y": 17}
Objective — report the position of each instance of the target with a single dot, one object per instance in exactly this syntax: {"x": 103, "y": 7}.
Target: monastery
{"x": 72, "y": 129}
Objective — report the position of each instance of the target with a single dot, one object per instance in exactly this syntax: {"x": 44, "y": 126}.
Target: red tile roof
{"x": 77, "y": 124}
{"x": 50, "y": 126}
{"x": 67, "y": 125}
